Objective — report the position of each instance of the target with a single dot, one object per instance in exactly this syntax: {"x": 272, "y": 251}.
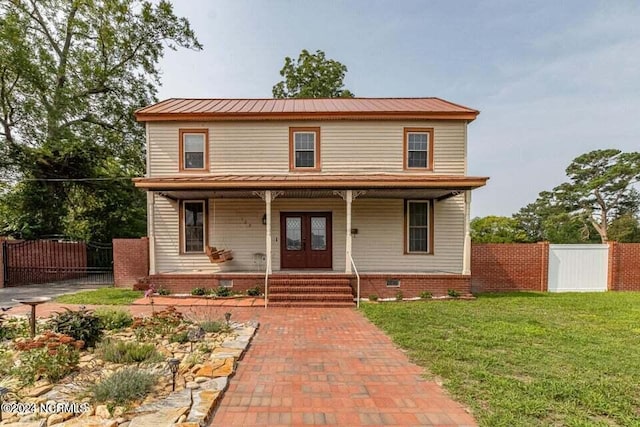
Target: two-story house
{"x": 300, "y": 194}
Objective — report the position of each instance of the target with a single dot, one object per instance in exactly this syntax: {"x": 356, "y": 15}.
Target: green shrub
{"x": 162, "y": 323}
{"x": 13, "y": 327}
{"x": 214, "y": 326}
{"x": 81, "y": 325}
{"x": 453, "y": 293}
{"x": 180, "y": 337}
{"x": 164, "y": 291}
{"x": 399, "y": 296}
{"x": 223, "y": 292}
{"x": 128, "y": 352}
{"x": 6, "y": 362}
{"x": 373, "y": 297}
{"x": 51, "y": 356}
{"x": 255, "y": 291}
{"x": 198, "y": 291}
{"x": 124, "y": 386}
{"x": 425, "y": 295}
{"x": 114, "y": 320}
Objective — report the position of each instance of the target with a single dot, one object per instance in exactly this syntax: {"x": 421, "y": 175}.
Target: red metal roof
{"x": 308, "y": 109}
{"x": 336, "y": 181}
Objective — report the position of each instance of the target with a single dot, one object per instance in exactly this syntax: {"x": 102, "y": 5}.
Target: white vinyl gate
{"x": 578, "y": 268}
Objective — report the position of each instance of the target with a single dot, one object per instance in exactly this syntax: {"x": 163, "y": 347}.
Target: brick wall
{"x": 130, "y": 261}
{"x": 624, "y": 266}
{"x": 411, "y": 285}
{"x": 184, "y": 283}
{"x": 504, "y": 267}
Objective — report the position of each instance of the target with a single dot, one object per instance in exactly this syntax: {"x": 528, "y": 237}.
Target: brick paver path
{"x": 315, "y": 367}
{"x": 330, "y": 367}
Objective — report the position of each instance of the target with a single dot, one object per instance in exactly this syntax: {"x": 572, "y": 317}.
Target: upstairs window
{"x": 418, "y": 148}
{"x": 304, "y": 149}
{"x": 194, "y": 150}
{"x": 193, "y": 226}
{"x": 418, "y": 227}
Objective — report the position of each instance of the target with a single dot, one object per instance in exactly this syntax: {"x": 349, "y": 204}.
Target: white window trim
{"x": 314, "y": 149}
{"x": 204, "y": 226}
{"x": 408, "y": 225}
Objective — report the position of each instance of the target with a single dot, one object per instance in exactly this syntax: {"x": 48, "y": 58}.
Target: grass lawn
{"x": 106, "y": 296}
{"x": 528, "y": 359}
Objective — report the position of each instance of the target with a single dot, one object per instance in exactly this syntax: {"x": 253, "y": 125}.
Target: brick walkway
{"x": 330, "y": 367}
{"x": 316, "y": 367}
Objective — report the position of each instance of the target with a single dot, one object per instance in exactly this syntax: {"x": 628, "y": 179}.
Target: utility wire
{"x": 117, "y": 178}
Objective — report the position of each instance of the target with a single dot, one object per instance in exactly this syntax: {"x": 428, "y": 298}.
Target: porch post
{"x": 466, "y": 260}
{"x": 348, "y": 197}
{"x": 267, "y": 199}
{"x": 151, "y": 232}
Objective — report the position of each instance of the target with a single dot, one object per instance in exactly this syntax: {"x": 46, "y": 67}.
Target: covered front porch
{"x": 377, "y": 228}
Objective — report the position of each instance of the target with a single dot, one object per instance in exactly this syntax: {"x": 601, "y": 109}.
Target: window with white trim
{"x": 193, "y": 226}
{"x": 304, "y": 146}
{"x": 418, "y": 146}
{"x": 193, "y": 145}
{"x": 417, "y": 221}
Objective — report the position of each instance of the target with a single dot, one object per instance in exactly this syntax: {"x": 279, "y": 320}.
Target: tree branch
{"x": 37, "y": 16}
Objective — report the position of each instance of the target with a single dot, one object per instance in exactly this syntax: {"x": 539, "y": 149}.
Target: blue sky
{"x": 552, "y": 79}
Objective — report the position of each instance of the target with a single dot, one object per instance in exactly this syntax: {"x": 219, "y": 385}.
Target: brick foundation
{"x": 506, "y": 267}
{"x": 411, "y": 285}
{"x": 130, "y": 261}
{"x": 624, "y": 266}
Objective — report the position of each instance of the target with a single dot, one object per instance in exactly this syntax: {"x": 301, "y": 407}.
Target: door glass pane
{"x": 294, "y": 234}
{"x": 318, "y": 233}
{"x": 194, "y": 227}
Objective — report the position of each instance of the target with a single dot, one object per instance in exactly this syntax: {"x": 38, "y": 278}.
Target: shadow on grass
{"x": 512, "y": 295}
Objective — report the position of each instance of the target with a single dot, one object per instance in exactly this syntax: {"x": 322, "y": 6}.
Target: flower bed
{"x": 125, "y": 375}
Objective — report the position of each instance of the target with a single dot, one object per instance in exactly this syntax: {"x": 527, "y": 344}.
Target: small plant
{"x": 51, "y": 356}
{"x": 203, "y": 348}
{"x": 214, "y": 326}
{"x": 13, "y": 328}
{"x": 195, "y": 358}
{"x": 6, "y": 363}
{"x": 128, "y": 352}
{"x": 223, "y": 292}
{"x": 180, "y": 337}
{"x": 255, "y": 291}
{"x": 164, "y": 292}
{"x": 373, "y": 297}
{"x": 124, "y": 386}
{"x": 425, "y": 295}
{"x": 453, "y": 293}
{"x": 399, "y": 296}
{"x": 81, "y": 325}
{"x": 160, "y": 323}
{"x": 114, "y": 320}
{"x": 198, "y": 291}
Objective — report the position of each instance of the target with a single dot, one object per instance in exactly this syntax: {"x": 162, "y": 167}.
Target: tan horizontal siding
{"x": 378, "y": 246}
{"x": 263, "y": 147}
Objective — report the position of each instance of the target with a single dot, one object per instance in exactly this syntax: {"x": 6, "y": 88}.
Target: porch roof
{"x": 312, "y": 185}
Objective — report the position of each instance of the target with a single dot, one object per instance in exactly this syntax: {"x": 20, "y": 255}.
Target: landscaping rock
{"x": 217, "y": 368}
{"x": 58, "y": 418}
{"x": 91, "y": 421}
{"x": 39, "y": 391}
{"x": 102, "y": 411}
{"x": 161, "y": 418}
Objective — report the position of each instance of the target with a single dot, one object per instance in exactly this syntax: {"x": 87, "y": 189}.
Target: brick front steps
{"x": 310, "y": 292}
